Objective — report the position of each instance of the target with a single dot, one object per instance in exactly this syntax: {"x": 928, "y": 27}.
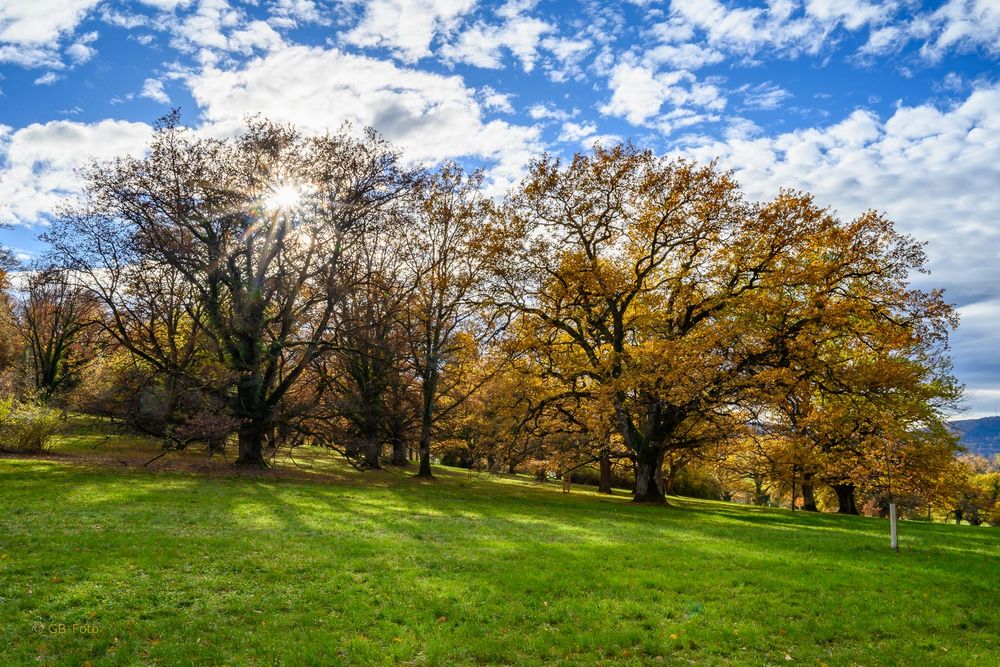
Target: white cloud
{"x": 432, "y": 117}
{"x": 683, "y": 56}
{"x": 980, "y": 403}
{"x": 216, "y": 26}
{"x": 887, "y": 39}
{"x": 407, "y": 27}
{"x": 166, "y": 5}
{"x": 567, "y": 55}
{"x": 638, "y": 93}
{"x": 153, "y": 89}
{"x": 600, "y": 139}
{"x": 934, "y": 171}
{"x": 483, "y": 44}
{"x": 544, "y": 112}
{"x": 30, "y": 56}
{"x": 960, "y": 25}
{"x": 975, "y": 347}
{"x": 765, "y": 96}
{"x": 40, "y": 22}
{"x": 289, "y": 13}
{"x": 81, "y": 50}
{"x": 782, "y": 25}
{"x": 495, "y": 101}
{"x": 47, "y": 79}
{"x": 577, "y": 131}
{"x": 39, "y": 162}
{"x": 31, "y": 32}
{"x": 852, "y": 14}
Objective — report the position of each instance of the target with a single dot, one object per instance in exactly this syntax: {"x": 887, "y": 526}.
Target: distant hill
{"x": 980, "y": 436}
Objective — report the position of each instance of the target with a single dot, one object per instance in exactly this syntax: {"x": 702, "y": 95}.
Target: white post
{"x": 894, "y": 535}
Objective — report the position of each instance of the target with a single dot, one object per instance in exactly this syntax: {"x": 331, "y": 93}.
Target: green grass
{"x": 177, "y": 568}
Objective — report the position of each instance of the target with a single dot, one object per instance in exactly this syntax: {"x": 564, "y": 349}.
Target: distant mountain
{"x": 980, "y": 436}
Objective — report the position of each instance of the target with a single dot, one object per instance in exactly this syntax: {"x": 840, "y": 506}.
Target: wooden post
{"x": 893, "y": 532}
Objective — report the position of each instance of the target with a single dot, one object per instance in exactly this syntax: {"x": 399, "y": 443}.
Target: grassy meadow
{"x": 116, "y": 564}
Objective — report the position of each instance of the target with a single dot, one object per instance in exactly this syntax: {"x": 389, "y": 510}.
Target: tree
{"x": 368, "y": 348}
{"x": 152, "y": 312}
{"x": 54, "y": 316}
{"x": 624, "y": 264}
{"x": 446, "y": 263}
{"x": 972, "y": 491}
{"x": 8, "y": 329}
{"x": 256, "y": 227}
{"x": 658, "y": 291}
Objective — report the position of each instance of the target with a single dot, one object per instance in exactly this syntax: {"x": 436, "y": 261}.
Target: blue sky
{"x": 890, "y": 105}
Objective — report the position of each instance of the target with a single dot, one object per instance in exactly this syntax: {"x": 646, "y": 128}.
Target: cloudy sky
{"x": 892, "y": 105}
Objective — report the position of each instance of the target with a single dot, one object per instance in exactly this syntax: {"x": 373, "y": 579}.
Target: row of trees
{"x": 618, "y": 311}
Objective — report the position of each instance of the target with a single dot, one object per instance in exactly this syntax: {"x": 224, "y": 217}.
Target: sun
{"x": 285, "y": 196}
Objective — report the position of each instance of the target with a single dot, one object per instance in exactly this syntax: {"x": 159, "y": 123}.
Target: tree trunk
{"x": 253, "y": 421}
{"x": 251, "y": 443}
{"x": 605, "y": 485}
{"x": 373, "y": 454}
{"x": 808, "y": 493}
{"x": 672, "y": 468}
{"x": 845, "y": 499}
{"x": 426, "y": 420}
{"x": 794, "y": 497}
{"x": 649, "y": 477}
{"x": 399, "y": 452}
{"x": 759, "y": 497}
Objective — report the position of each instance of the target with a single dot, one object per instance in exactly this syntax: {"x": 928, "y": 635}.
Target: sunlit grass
{"x": 378, "y": 568}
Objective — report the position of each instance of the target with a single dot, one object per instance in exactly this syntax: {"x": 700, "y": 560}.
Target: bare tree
{"x": 367, "y": 347}
{"x": 256, "y": 227}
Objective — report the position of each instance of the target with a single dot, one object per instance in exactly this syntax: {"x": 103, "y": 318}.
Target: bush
{"x": 696, "y": 483}
{"x": 25, "y": 427}
{"x": 590, "y": 475}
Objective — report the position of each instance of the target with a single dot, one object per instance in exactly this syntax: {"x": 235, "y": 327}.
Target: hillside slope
{"x": 980, "y": 436}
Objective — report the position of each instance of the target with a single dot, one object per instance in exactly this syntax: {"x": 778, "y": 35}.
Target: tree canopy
{"x": 616, "y": 309}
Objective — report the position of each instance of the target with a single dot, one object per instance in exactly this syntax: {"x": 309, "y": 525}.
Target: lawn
{"x": 125, "y": 566}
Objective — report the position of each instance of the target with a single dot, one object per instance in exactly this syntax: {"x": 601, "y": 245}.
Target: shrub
{"x": 696, "y": 483}
{"x": 25, "y": 427}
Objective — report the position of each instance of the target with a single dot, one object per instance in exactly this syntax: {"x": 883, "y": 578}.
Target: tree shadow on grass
{"x": 514, "y": 571}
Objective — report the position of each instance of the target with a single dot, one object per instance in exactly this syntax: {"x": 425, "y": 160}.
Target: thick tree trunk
{"x": 253, "y": 422}
{"x": 649, "y": 477}
{"x": 425, "y": 453}
{"x": 605, "y": 484}
{"x": 845, "y": 499}
{"x": 399, "y": 452}
{"x": 808, "y": 493}
{"x": 373, "y": 454}
{"x": 251, "y": 444}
